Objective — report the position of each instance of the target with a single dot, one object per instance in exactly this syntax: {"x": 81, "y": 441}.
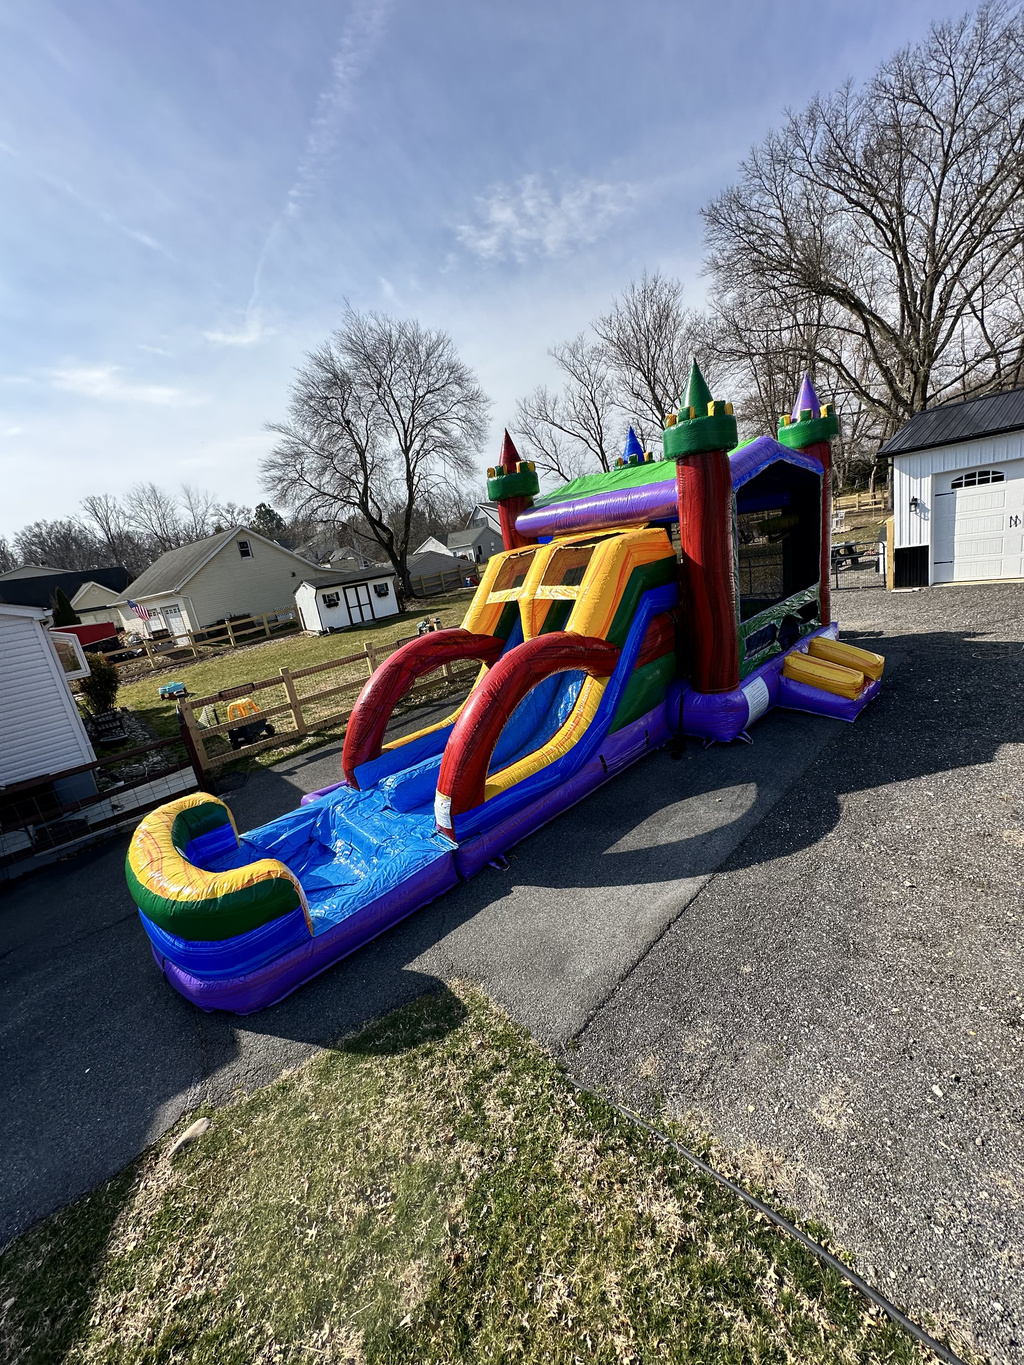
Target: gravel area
{"x": 842, "y": 1003}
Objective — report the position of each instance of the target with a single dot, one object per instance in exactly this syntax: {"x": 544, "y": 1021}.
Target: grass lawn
{"x": 430, "y": 1190}
{"x": 264, "y": 660}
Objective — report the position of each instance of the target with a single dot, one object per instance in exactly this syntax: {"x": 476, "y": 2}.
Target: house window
{"x": 331, "y": 599}
{"x": 245, "y": 549}
{"x": 381, "y": 589}
{"x": 978, "y": 476}
{"x": 478, "y": 552}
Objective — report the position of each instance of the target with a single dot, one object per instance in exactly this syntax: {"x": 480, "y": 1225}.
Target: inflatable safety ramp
{"x": 830, "y": 678}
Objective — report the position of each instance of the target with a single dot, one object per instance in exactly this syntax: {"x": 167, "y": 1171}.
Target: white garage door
{"x": 979, "y": 523}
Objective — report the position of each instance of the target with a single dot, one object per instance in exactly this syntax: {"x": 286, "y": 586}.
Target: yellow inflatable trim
{"x": 162, "y": 869}
{"x": 849, "y": 656}
{"x": 828, "y": 677}
{"x": 559, "y": 744}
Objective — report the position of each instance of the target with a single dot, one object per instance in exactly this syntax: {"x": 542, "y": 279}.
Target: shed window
{"x": 381, "y": 589}
{"x": 245, "y": 549}
{"x": 331, "y": 599}
{"x": 978, "y": 476}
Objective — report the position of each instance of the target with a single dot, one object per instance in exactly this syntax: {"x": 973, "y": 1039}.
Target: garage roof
{"x": 953, "y": 422}
{"x": 367, "y": 575}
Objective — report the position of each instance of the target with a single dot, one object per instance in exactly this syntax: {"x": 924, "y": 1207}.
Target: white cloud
{"x": 529, "y": 220}
{"x": 6, "y": 432}
{"x": 251, "y": 331}
{"x": 105, "y": 383}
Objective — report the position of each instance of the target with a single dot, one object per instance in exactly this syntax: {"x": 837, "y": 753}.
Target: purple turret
{"x": 806, "y": 399}
{"x": 812, "y": 427}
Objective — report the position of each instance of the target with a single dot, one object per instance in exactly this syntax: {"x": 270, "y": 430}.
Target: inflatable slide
{"x": 596, "y": 642}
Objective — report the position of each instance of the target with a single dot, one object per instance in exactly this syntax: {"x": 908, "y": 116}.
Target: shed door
{"x": 979, "y": 523}
{"x": 357, "y": 599}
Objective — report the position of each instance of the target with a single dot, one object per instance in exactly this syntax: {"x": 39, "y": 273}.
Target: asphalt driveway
{"x": 792, "y": 943}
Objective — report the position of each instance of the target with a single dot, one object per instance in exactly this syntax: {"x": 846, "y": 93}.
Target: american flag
{"x": 140, "y": 611}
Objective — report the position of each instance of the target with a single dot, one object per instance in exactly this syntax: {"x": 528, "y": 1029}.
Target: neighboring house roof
{"x": 488, "y": 510}
{"x": 175, "y": 568}
{"x": 38, "y": 591}
{"x": 93, "y": 584}
{"x": 15, "y": 609}
{"x": 31, "y": 571}
{"x": 431, "y": 544}
{"x": 457, "y": 539}
{"x": 335, "y": 580}
{"x": 953, "y": 422}
{"x": 423, "y": 566}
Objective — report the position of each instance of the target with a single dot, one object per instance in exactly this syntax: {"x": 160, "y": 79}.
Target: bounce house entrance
{"x": 778, "y": 551}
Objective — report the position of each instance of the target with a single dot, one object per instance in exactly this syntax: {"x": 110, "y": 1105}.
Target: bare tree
{"x": 197, "y": 509}
{"x": 8, "y": 559}
{"x": 383, "y": 418}
{"x": 894, "y": 213}
{"x": 226, "y": 514}
{"x": 649, "y": 341}
{"x": 61, "y": 544}
{"x": 154, "y": 514}
{"x": 109, "y": 520}
{"x": 565, "y": 432}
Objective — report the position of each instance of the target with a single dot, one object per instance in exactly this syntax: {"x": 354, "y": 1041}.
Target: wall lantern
{"x": 914, "y": 505}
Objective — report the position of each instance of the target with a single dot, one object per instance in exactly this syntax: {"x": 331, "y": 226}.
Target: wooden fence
{"x": 296, "y": 697}
{"x": 860, "y": 502}
{"x": 164, "y": 653}
{"x": 432, "y": 585}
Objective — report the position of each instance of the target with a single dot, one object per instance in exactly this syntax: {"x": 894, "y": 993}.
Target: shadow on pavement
{"x": 100, "y": 1056}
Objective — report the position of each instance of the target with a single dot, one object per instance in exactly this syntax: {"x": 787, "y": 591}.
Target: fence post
{"x": 293, "y": 700}
{"x": 371, "y": 659}
{"x": 231, "y": 634}
{"x": 266, "y": 626}
{"x": 194, "y": 746}
{"x": 149, "y": 652}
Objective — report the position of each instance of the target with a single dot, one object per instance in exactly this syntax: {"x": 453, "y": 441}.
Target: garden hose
{"x": 822, "y": 1253}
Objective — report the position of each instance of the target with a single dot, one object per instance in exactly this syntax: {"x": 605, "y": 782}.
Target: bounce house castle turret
{"x": 699, "y": 439}
{"x": 812, "y": 427}
{"x": 513, "y": 485}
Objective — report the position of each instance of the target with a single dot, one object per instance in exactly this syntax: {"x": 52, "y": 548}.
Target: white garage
{"x": 958, "y": 493}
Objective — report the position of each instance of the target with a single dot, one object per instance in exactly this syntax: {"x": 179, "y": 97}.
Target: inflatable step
{"x": 847, "y": 656}
{"x": 826, "y": 676}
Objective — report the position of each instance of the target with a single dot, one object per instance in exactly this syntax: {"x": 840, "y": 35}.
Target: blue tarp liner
{"x": 351, "y": 847}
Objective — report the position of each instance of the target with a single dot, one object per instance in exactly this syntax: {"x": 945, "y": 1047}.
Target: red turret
{"x": 512, "y": 485}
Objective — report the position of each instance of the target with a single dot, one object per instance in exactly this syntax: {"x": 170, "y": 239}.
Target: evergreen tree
{"x": 63, "y": 612}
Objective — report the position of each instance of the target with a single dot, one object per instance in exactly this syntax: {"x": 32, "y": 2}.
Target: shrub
{"x": 64, "y": 613}
{"x": 99, "y": 689}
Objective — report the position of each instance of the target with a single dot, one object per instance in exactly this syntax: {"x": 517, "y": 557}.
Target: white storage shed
{"x": 42, "y": 730}
{"x": 337, "y": 601}
{"x": 958, "y": 493}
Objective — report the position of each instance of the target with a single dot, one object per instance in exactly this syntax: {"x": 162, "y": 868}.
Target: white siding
{"x": 229, "y": 585}
{"x": 317, "y": 615}
{"x": 912, "y": 478}
{"x": 41, "y": 731}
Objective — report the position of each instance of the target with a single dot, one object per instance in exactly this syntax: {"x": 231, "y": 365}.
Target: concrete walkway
{"x": 797, "y": 974}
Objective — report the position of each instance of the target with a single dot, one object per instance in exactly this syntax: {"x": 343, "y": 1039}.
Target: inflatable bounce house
{"x": 597, "y": 641}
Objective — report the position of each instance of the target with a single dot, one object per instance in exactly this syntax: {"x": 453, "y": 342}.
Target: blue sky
{"x": 190, "y": 192}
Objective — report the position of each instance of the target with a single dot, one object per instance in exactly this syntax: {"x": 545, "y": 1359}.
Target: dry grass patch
{"x": 430, "y": 1190}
